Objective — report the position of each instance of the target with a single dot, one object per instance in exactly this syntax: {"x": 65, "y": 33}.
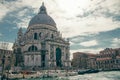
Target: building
{"x": 42, "y": 45}
{"x": 91, "y": 61}
{"x": 82, "y": 60}
{"x": 107, "y": 59}
{"x": 7, "y": 55}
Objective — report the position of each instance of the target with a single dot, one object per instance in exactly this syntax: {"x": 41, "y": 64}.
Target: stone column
{"x": 28, "y": 60}
{"x": 63, "y": 56}
{"x": 48, "y": 47}
{"x": 31, "y": 62}
{"x": 25, "y": 60}
{"x": 39, "y": 60}
{"x": 49, "y": 53}
{"x": 46, "y": 59}
{"x": 54, "y": 56}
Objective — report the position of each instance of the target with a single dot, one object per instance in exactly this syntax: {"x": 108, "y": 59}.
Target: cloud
{"x": 71, "y": 43}
{"x": 3, "y": 11}
{"x": 116, "y": 40}
{"x": 116, "y": 43}
{"x": 87, "y": 50}
{"x": 0, "y": 34}
{"x": 80, "y": 20}
{"x": 90, "y": 24}
{"x": 99, "y": 15}
{"x": 94, "y": 51}
{"x": 89, "y": 43}
{"x": 10, "y": 0}
{"x": 10, "y": 6}
{"x": 77, "y": 39}
{"x": 104, "y": 40}
{"x": 116, "y": 18}
{"x": 25, "y": 14}
{"x": 65, "y": 15}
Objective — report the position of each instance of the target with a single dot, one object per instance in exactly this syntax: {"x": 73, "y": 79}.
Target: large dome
{"x": 42, "y": 18}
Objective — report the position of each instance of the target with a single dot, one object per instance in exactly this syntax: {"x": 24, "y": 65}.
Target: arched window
{"x": 35, "y": 36}
{"x": 32, "y": 48}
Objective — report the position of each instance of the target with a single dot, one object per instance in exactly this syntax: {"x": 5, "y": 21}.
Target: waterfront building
{"x": 8, "y": 57}
{"x": 91, "y": 61}
{"x": 42, "y": 45}
{"x": 79, "y": 60}
{"x": 107, "y": 59}
{"x": 82, "y": 60}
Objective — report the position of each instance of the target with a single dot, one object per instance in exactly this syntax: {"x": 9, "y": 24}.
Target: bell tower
{"x": 20, "y": 36}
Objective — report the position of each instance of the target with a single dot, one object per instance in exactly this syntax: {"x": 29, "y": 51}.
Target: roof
{"x": 42, "y": 18}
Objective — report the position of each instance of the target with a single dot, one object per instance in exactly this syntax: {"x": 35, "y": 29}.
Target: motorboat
{"x": 88, "y": 71}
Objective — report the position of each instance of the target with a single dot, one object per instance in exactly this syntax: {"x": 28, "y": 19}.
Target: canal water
{"x": 112, "y": 75}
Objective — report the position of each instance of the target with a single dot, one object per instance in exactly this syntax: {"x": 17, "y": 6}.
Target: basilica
{"x": 41, "y": 45}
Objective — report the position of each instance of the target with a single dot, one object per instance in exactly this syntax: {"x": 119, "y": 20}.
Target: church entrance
{"x": 58, "y": 57}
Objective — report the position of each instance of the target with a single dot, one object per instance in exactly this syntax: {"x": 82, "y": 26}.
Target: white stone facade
{"x": 42, "y": 44}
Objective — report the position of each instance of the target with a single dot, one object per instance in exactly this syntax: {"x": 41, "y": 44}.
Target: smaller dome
{"x": 42, "y": 18}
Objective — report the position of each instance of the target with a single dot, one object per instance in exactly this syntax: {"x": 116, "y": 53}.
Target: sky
{"x": 90, "y": 25}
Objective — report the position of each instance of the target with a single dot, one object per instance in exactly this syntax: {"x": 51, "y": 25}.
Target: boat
{"x": 92, "y": 71}
{"x": 88, "y": 71}
{"x": 82, "y": 71}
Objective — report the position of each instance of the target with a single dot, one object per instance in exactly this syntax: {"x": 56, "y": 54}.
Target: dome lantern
{"x": 42, "y": 9}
